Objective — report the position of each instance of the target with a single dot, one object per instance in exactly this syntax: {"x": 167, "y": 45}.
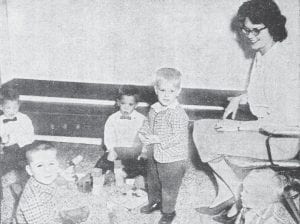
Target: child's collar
{"x": 132, "y": 114}
{"x": 16, "y": 115}
{"x": 43, "y": 187}
{"x": 158, "y": 107}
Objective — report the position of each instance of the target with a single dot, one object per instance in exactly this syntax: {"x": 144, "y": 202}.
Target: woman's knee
{"x": 284, "y": 149}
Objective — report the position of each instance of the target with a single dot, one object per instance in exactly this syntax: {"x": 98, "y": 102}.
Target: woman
{"x": 272, "y": 96}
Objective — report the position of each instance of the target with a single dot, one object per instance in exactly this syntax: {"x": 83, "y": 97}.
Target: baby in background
{"x": 121, "y": 135}
{"x": 261, "y": 199}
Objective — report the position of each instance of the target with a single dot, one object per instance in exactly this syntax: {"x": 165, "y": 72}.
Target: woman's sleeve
{"x": 284, "y": 95}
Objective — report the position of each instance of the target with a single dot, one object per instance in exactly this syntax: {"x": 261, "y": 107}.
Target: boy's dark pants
{"x": 13, "y": 159}
{"x": 132, "y": 167}
{"x": 163, "y": 182}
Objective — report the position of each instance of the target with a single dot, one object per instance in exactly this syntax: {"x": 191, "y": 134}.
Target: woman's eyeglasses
{"x": 254, "y": 31}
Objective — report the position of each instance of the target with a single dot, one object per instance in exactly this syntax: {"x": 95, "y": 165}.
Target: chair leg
{"x": 292, "y": 205}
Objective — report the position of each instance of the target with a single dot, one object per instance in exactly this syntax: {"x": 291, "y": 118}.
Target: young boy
{"x": 262, "y": 190}
{"x": 37, "y": 203}
{"x": 42, "y": 200}
{"x": 166, "y": 132}
{"x": 16, "y": 131}
{"x": 121, "y": 133}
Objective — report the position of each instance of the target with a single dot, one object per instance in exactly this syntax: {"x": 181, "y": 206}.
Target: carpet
{"x": 197, "y": 190}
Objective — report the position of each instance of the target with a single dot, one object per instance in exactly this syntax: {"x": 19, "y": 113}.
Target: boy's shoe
{"x": 167, "y": 218}
{"x": 147, "y": 209}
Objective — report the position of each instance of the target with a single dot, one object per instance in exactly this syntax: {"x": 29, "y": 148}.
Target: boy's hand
{"x": 68, "y": 174}
{"x": 143, "y": 155}
{"x": 150, "y": 139}
{"x": 5, "y": 139}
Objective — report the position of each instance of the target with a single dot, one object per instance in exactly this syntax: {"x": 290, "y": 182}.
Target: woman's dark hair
{"x": 264, "y": 12}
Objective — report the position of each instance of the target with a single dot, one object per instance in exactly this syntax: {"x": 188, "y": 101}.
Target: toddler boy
{"x": 16, "y": 131}
{"x": 166, "y": 132}
{"x": 121, "y": 133}
{"x": 37, "y": 202}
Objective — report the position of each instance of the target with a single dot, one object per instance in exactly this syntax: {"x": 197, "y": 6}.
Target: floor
{"x": 197, "y": 188}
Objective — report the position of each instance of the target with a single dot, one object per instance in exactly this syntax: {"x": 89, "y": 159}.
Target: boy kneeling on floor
{"x": 121, "y": 135}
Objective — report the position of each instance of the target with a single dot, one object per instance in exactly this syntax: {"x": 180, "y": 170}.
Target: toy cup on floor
{"x": 74, "y": 216}
{"x": 139, "y": 182}
{"x": 109, "y": 178}
{"x": 98, "y": 181}
{"x": 85, "y": 184}
{"x": 119, "y": 173}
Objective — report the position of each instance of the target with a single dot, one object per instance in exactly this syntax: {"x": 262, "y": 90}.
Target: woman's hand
{"x": 232, "y": 125}
{"x": 232, "y": 107}
{"x": 227, "y": 125}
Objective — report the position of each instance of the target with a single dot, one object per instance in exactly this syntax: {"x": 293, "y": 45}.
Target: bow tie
{"x": 125, "y": 117}
{"x": 9, "y": 120}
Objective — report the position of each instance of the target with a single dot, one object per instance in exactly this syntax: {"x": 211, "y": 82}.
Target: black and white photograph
{"x": 149, "y": 111}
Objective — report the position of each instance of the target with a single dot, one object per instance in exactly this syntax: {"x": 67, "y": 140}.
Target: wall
{"x": 125, "y": 41}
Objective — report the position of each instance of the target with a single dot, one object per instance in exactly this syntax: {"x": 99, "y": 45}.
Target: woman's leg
{"x": 228, "y": 185}
{"x": 213, "y": 146}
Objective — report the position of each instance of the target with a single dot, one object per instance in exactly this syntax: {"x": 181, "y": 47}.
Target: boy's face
{"x": 43, "y": 166}
{"x": 166, "y": 92}
{"x": 127, "y": 104}
{"x": 257, "y": 194}
{"x": 10, "y": 108}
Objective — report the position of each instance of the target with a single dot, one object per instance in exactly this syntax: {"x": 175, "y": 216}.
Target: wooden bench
{"x": 76, "y": 112}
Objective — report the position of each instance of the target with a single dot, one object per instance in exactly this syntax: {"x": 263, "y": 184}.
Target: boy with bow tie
{"x": 15, "y": 127}
{"x": 121, "y": 134}
{"x": 16, "y": 131}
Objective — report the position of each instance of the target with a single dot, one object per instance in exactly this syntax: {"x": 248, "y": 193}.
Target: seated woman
{"x": 273, "y": 98}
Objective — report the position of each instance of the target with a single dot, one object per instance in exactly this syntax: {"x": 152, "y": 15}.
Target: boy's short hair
{"x": 37, "y": 146}
{"x": 168, "y": 74}
{"x": 129, "y": 91}
{"x": 268, "y": 178}
{"x": 8, "y": 93}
